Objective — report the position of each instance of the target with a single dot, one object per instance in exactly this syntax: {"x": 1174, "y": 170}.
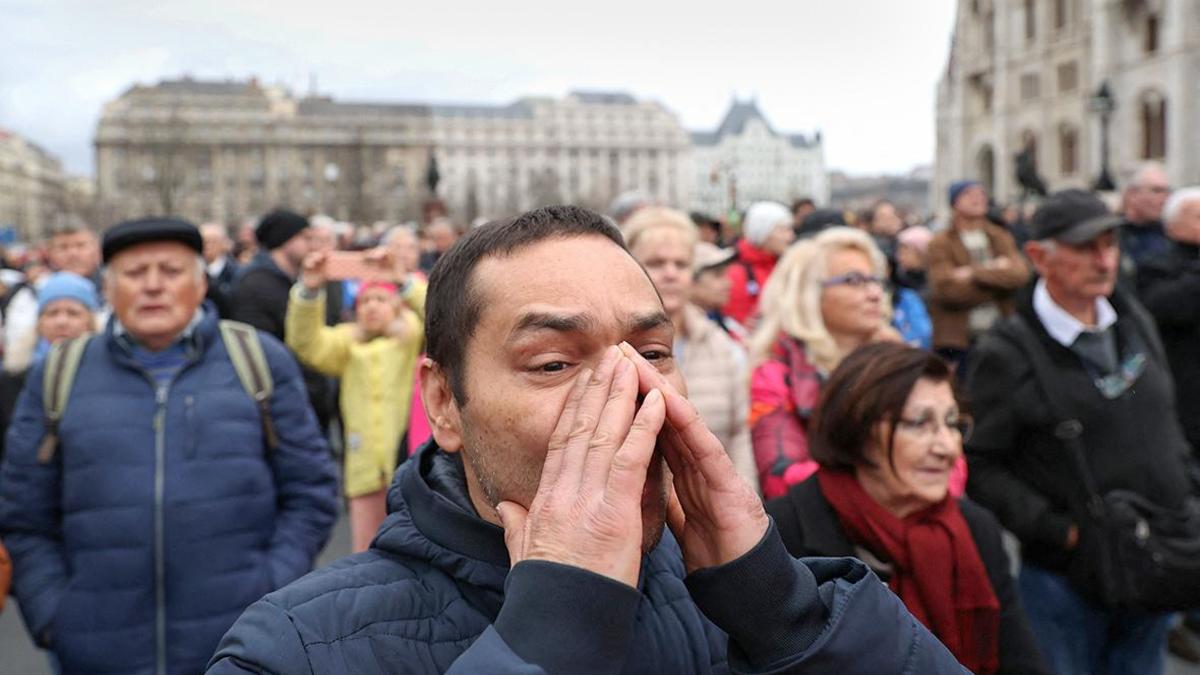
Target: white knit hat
{"x": 761, "y": 219}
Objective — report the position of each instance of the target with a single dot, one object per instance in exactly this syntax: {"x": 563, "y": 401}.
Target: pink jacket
{"x": 784, "y": 391}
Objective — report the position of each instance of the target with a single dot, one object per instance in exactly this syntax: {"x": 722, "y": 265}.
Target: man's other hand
{"x": 716, "y": 516}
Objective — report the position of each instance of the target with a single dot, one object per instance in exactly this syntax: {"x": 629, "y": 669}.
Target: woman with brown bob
{"x": 886, "y": 433}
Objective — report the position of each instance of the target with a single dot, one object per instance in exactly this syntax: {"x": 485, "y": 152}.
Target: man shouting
{"x": 528, "y": 536}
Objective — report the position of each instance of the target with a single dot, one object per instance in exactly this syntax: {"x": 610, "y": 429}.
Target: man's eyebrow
{"x": 561, "y": 323}
{"x": 647, "y": 322}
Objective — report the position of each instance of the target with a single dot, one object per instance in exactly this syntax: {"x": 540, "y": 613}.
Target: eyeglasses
{"x": 855, "y": 280}
{"x": 927, "y": 426}
{"x": 1114, "y": 385}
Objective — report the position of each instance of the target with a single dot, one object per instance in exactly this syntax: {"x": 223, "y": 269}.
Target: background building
{"x": 1023, "y": 73}
{"x": 746, "y": 160}
{"x": 32, "y": 188}
{"x": 226, "y": 150}
{"x": 909, "y": 192}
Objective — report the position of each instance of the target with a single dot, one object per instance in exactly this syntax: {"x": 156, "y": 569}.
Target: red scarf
{"x": 938, "y": 572}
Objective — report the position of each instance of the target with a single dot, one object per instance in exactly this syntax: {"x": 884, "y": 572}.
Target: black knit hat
{"x": 278, "y": 227}
{"x": 133, "y": 232}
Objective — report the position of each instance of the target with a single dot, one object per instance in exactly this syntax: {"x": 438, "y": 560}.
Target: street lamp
{"x": 1102, "y": 104}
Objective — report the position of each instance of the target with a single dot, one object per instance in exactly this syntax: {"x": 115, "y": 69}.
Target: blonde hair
{"x": 655, "y": 218}
{"x": 791, "y": 301}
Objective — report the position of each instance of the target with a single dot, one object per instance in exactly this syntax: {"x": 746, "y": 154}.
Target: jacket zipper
{"x": 160, "y": 568}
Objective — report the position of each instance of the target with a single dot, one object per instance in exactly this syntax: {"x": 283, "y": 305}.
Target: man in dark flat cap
{"x": 146, "y": 497}
{"x": 261, "y": 295}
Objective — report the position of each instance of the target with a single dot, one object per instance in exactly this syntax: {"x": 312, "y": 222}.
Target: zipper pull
{"x": 160, "y": 395}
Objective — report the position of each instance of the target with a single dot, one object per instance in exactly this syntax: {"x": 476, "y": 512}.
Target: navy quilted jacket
{"x": 135, "y": 550}
{"x": 435, "y": 594}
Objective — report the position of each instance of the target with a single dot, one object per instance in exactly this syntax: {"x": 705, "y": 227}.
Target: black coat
{"x": 809, "y": 527}
{"x": 1024, "y": 475}
{"x": 220, "y": 287}
{"x": 1169, "y": 286}
{"x": 260, "y": 298}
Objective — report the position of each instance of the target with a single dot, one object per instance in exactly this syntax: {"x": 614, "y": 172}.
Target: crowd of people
{"x": 650, "y": 441}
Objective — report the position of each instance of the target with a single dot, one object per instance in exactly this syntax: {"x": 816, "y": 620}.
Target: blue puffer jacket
{"x": 134, "y": 550}
{"x": 435, "y": 594}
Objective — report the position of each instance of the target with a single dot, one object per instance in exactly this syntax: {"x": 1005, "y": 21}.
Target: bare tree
{"x": 168, "y": 149}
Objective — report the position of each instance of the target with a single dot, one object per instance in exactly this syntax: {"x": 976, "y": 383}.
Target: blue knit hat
{"x": 67, "y": 285}
{"x": 957, "y": 187}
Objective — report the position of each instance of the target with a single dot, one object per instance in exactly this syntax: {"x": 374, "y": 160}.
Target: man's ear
{"x": 440, "y": 407}
{"x": 1036, "y": 253}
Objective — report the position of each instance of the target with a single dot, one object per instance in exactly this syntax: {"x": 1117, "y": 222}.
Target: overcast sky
{"x": 861, "y": 71}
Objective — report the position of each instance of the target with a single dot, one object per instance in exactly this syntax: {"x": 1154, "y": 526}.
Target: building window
{"x": 1150, "y": 39}
{"x": 1030, "y": 87}
{"x": 1068, "y": 76}
{"x": 985, "y": 165}
{"x": 1060, "y": 14}
{"x": 1068, "y": 150}
{"x": 1030, "y": 19}
{"x": 1154, "y": 126}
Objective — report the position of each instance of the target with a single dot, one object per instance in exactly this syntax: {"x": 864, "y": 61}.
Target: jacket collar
{"x": 1063, "y": 327}
{"x": 439, "y": 517}
{"x": 196, "y": 336}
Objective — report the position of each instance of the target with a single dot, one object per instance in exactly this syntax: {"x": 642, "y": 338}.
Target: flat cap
{"x": 133, "y": 232}
{"x": 1073, "y": 217}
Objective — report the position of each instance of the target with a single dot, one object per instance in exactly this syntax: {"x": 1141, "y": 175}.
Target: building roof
{"x": 604, "y": 97}
{"x": 187, "y": 85}
{"x": 734, "y": 124}
{"x": 321, "y": 106}
{"x": 739, "y": 115}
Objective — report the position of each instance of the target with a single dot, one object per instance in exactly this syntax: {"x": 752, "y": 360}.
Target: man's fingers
{"x": 627, "y": 475}
{"x": 512, "y": 517}
{"x": 648, "y": 376}
{"x": 591, "y": 405}
{"x": 613, "y": 425}
{"x": 552, "y": 467}
{"x": 704, "y": 450}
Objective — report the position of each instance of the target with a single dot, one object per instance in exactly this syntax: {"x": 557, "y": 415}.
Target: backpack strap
{"x": 246, "y": 353}
{"x": 61, "y": 366}
{"x": 753, "y": 288}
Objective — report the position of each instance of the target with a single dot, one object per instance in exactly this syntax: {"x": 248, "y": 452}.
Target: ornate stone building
{"x": 227, "y": 150}
{"x": 747, "y": 160}
{"x": 1023, "y": 73}
{"x": 33, "y": 195}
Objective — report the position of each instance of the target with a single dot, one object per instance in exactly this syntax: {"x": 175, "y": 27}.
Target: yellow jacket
{"x": 377, "y": 381}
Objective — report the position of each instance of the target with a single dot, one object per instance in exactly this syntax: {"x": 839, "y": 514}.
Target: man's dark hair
{"x": 453, "y": 305}
{"x": 870, "y": 385}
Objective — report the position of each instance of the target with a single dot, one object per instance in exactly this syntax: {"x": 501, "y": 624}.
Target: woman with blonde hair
{"x": 825, "y": 298}
{"x": 663, "y": 240}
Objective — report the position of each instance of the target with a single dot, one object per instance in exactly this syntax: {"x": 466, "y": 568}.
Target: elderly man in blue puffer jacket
{"x": 163, "y": 511}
